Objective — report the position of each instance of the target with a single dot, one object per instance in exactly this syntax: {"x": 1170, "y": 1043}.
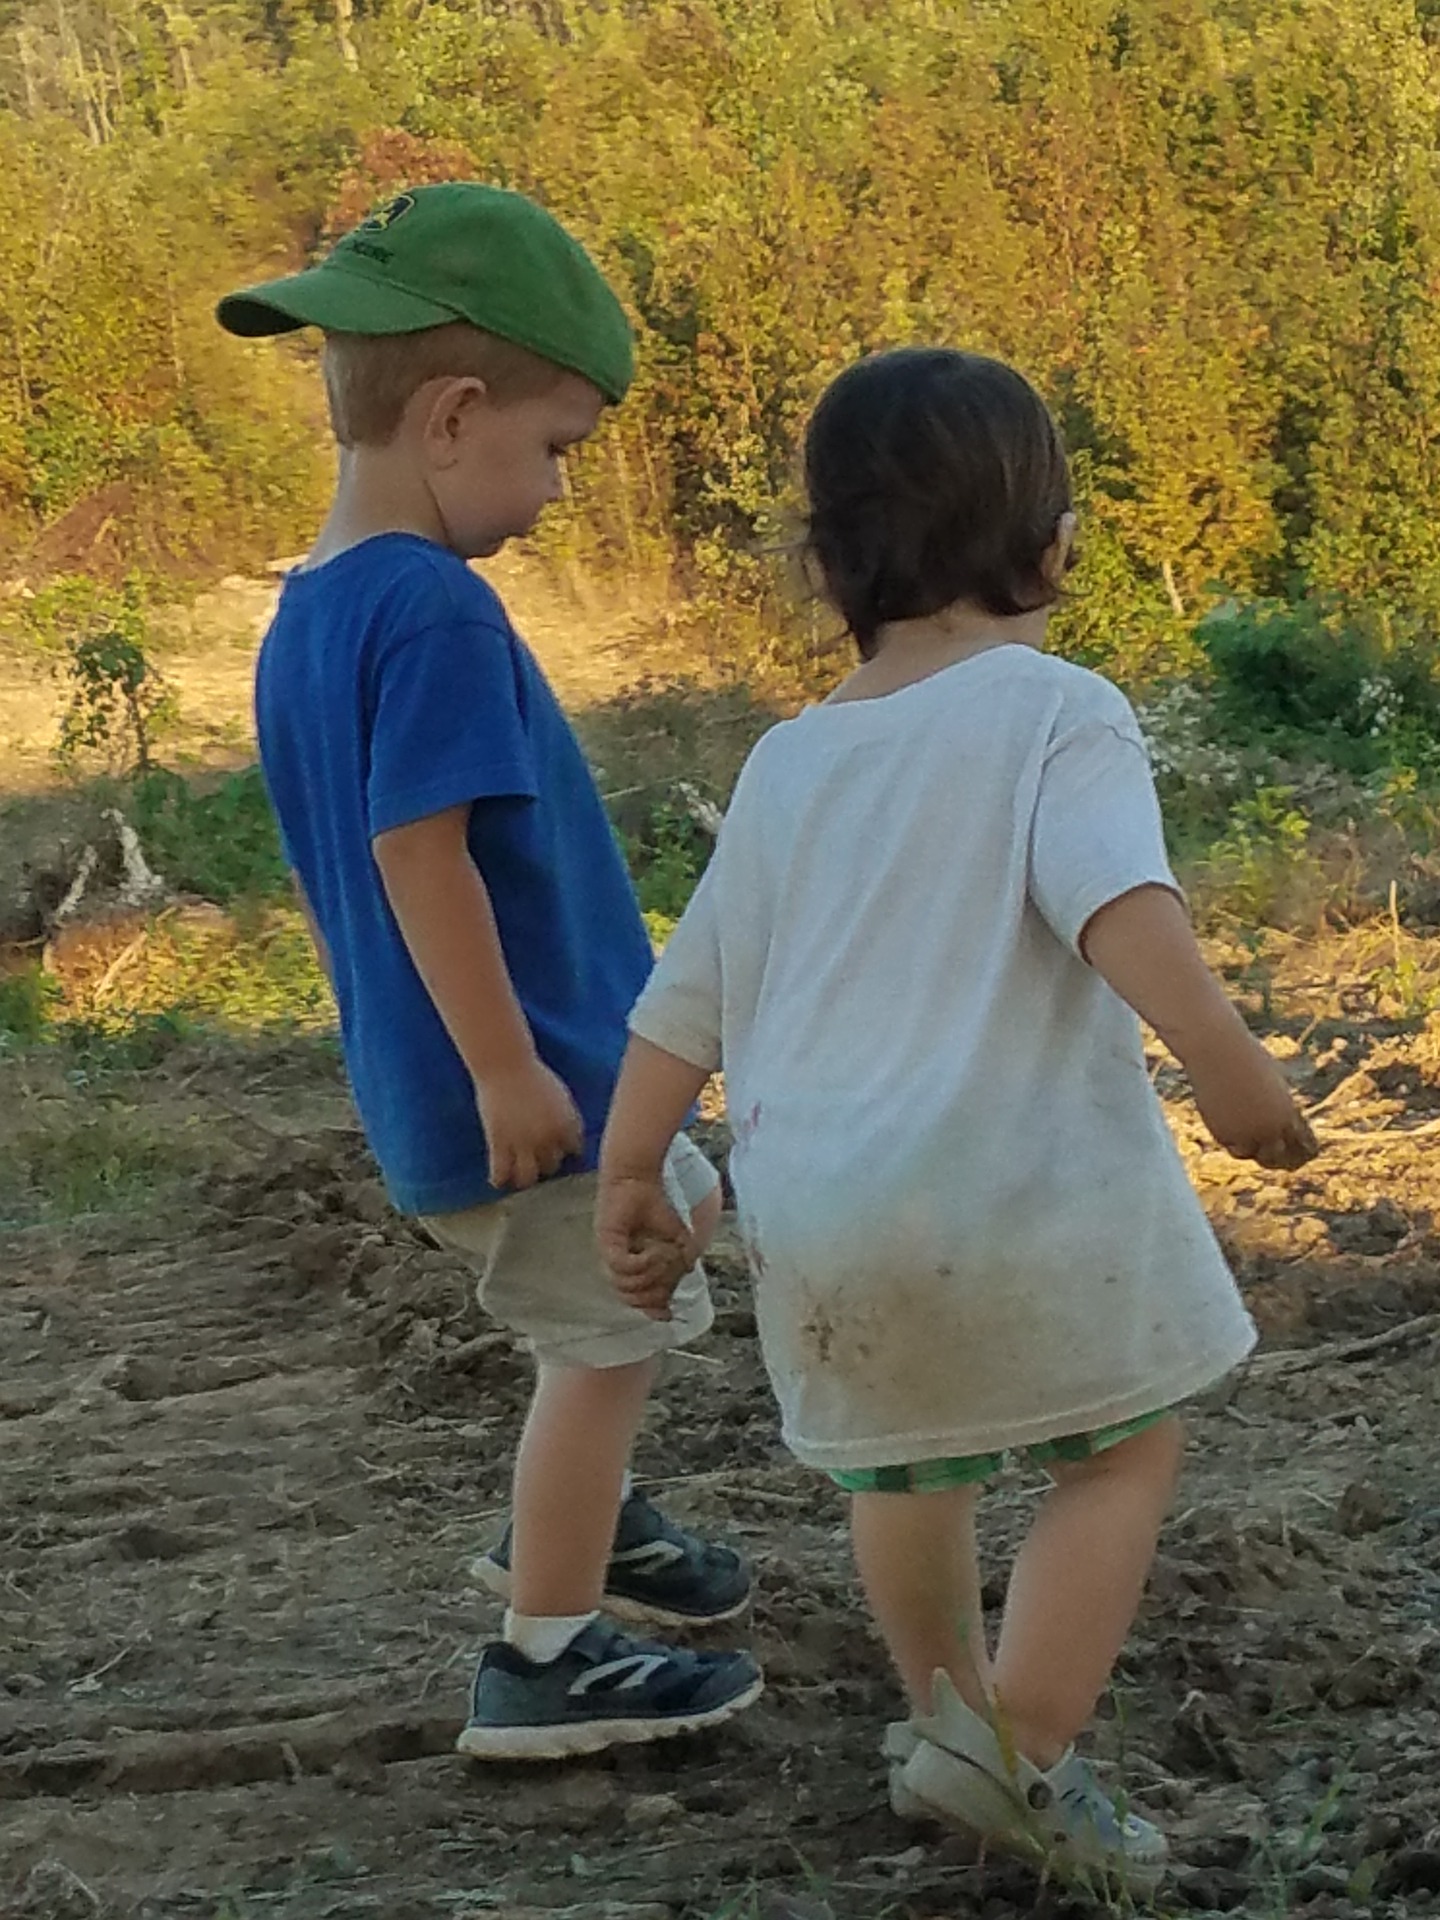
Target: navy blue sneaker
{"x": 605, "y": 1690}
{"x": 659, "y": 1574}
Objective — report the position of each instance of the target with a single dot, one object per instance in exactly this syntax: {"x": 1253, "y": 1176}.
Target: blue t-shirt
{"x": 391, "y": 686}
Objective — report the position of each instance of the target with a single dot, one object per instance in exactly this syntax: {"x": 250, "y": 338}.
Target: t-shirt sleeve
{"x": 680, "y": 1009}
{"x": 1097, "y": 832}
{"x": 446, "y": 725}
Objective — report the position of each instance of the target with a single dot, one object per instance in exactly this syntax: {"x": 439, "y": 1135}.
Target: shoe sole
{"x": 928, "y": 1784}
{"x": 594, "y": 1736}
{"x": 495, "y": 1579}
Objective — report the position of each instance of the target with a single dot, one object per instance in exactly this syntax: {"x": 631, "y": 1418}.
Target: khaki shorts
{"x": 540, "y": 1272}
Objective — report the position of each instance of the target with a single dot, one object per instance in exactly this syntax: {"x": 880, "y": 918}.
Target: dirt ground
{"x": 252, "y": 1429}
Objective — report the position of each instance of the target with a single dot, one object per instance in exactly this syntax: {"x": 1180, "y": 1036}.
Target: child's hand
{"x": 531, "y": 1123}
{"x": 1143, "y": 945}
{"x": 1245, "y": 1102}
{"x": 643, "y": 1241}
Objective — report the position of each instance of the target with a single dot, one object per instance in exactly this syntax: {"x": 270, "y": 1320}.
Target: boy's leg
{"x": 1077, "y": 1583}
{"x": 564, "y": 1681}
{"x": 916, "y": 1557}
{"x": 597, "y": 1359}
{"x": 569, "y": 1472}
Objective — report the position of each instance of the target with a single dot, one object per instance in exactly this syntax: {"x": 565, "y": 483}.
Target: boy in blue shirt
{"x": 471, "y": 907}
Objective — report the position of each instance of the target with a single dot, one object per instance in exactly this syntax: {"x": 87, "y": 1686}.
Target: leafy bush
{"x": 219, "y": 841}
{"x": 666, "y": 858}
{"x": 98, "y": 638}
{"x": 1260, "y": 871}
{"x": 27, "y": 998}
{"x": 1306, "y": 680}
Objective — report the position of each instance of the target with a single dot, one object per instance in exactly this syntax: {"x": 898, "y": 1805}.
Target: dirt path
{"x": 251, "y": 1433}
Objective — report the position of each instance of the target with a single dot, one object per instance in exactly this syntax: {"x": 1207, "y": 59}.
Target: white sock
{"x": 543, "y": 1637}
{"x": 627, "y": 1486}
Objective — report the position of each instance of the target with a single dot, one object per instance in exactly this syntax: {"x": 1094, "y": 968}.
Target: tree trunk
{"x": 345, "y": 33}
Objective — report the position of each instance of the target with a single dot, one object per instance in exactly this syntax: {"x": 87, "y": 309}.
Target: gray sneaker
{"x": 605, "y": 1690}
{"x": 659, "y": 1574}
{"x": 952, "y": 1767}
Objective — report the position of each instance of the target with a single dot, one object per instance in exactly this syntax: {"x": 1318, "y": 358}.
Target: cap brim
{"x": 330, "y": 297}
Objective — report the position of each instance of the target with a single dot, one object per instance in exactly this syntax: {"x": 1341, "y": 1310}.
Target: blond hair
{"x": 370, "y": 379}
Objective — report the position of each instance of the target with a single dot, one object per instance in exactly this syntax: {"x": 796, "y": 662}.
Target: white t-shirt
{"x": 968, "y": 1225}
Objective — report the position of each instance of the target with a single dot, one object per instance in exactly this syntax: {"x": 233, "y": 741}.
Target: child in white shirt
{"x": 938, "y": 902}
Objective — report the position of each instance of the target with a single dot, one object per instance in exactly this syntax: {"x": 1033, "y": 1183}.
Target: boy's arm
{"x": 643, "y": 1241}
{"x": 1143, "y": 945}
{"x": 443, "y": 909}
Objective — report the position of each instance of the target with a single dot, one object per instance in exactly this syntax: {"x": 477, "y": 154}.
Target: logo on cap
{"x": 387, "y": 215}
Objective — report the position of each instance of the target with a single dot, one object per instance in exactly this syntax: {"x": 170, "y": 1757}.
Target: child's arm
{"x": 1143, "y": 945}
{"x": 444, "y": 913}
{"x": 643, "y": 1241}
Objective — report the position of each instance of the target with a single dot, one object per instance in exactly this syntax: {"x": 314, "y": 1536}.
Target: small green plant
{"x": 116, "y": 699}
{"x": 667, "y": 855}
{"x": 27, "y": 1000}
{"x": 218, "y": 840}
{"x": 94, "y": 1045}
{"x": 1261, "y": 863}
{"x": 1403, "y": 796}
{"x": 119, "y": 701}
{"x": 1285, "y": 1858}
{"x": 1404, "y": 981}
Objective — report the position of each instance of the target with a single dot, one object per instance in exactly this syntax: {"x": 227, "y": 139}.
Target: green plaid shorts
{"x": 935, "y": 1476}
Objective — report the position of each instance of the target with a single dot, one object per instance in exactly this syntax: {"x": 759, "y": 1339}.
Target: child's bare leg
{"x": 1077, "y": 1584}
{"x": 570, "y": 1469}
{"x": 916, "y": 1556}
{"x": 568, "y": 1475}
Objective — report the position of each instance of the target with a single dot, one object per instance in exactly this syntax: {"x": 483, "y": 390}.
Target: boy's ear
{"x": 1058, "y": 557}
{"x": 446, "y": 407}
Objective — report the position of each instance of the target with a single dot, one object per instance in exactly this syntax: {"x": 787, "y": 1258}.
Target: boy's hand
{"x": 643, "y": 1241}
{"x": 1245, "y": 1102}
{"x": 531, "y": 1123}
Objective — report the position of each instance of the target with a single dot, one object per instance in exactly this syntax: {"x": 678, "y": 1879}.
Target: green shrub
{"x": 1308, "y": 681}
{"x": 99, "y": 639}
{"x": 95, "y": 1044}
{"x": 27, "y": 998}
{"x": 218, "y": 841}
{"x": 1261, "y": 871}
{"x": 667, "y": 856}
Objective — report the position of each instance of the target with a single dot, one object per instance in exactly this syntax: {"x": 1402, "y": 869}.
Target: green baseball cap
{"x": 458, "y": 251}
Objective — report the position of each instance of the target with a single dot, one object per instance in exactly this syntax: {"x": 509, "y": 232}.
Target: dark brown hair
{"x": 932, "y": 476}
{"x": 370, "y": 379}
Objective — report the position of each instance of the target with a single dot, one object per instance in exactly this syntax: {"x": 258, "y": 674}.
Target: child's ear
{"x": 449, "y": 408}
{"x": 1058, "y": 557}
